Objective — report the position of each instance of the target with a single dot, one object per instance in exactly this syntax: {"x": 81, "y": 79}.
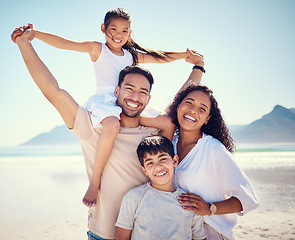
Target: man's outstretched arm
{"x": 59, "y": 98}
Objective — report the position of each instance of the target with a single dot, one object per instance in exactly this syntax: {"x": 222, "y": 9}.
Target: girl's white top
{"x": 209, "y": 170}
{"x": 107, "y": 69}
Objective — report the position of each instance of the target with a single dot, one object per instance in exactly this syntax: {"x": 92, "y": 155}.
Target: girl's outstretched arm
{"x": 170, "y": 57}
{"x": 91, "y": 47}
{"x": 163, "y": 122}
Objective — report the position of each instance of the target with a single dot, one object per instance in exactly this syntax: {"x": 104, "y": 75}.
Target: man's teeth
{"x": 132, "y": 105}
{"x": 190, "y": 118}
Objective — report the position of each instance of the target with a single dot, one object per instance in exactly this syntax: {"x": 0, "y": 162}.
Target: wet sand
{"x": 42, "y": 200}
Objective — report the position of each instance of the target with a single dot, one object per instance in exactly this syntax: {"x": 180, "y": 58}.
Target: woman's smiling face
{"x": 193, "y": 112}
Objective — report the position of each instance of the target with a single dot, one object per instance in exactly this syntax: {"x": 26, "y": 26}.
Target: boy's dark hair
{"x": 135, "y": 69}
{"x": 153, "y": 145}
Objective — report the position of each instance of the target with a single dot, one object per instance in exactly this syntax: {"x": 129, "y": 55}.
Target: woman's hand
{"x": 195, "y": 58}
{"x": 195, "y": 203}
{"x": 25, "y": 31}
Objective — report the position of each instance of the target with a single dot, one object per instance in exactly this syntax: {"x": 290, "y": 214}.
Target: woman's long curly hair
{"x": 215, "y": 127}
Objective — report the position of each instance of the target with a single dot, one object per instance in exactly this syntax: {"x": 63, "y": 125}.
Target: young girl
{"x": 109, "y": 58}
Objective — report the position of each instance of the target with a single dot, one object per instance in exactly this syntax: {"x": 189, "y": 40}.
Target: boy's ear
{"x": 175, "y": 160}
{"x": 143, "y": 169}
{"x": 103, "y": 28}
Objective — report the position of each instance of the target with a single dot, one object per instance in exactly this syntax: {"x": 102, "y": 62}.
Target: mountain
{"x": 278, "y": 126}
{"x": 59, "y": 135}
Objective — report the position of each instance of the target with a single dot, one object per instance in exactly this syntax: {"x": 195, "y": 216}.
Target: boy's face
{"x": 160, "y": 169}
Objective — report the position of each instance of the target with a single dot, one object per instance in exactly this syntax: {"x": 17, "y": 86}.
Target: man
{"x": 122, "y": 171}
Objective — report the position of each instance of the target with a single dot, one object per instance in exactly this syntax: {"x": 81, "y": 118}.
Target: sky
{"x": 248, "y": 48}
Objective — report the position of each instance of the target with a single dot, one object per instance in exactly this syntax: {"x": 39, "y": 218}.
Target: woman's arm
{"x": 123, "y": 234}
{"x": 171, "y": 57}
{"x": 91, "y": 47}
{"x": 195, "y": 58}
{"x": 197, "y": 204}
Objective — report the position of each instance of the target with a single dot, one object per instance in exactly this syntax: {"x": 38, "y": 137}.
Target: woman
{"x": 217, "y": 188}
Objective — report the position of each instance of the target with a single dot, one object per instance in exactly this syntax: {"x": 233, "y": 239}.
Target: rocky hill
{"x": 59, "y": 135}
{"x": 278, "y": 126}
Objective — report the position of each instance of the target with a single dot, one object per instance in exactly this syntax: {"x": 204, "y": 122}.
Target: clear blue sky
{"x": 248, "y": 47}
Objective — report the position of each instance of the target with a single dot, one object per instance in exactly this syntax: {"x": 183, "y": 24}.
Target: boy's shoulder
{"x": 137, "y": 191}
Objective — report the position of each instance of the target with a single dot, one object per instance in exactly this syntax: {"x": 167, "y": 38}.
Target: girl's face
{"x": 117, "y": 32}
{"x": 193, "y": 112}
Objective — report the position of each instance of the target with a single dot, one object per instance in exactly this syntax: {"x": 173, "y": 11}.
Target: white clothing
{"x": 154, "y": 214}
{"x": 106, "y": 69}
{"x": 209, "y": 170}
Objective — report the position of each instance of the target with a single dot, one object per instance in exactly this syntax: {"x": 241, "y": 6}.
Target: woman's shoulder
{"x": 214, "y": 144}
{"x": 211, "y": 140}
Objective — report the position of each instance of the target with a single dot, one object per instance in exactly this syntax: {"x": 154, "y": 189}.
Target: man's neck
{"x": 129, "y": 122}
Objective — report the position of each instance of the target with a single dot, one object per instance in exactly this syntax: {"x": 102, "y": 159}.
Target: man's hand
{"x": 195, "y": 58}
{"x": 24, "y": 32}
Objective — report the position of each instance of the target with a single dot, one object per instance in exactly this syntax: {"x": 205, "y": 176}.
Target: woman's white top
{"x": 209, "y": 171}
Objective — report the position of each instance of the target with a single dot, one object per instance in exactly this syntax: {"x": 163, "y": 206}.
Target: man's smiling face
{"x": 133, "y": 95}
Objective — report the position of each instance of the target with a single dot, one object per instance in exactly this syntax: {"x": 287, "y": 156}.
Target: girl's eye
{"x": 149, "y": 163}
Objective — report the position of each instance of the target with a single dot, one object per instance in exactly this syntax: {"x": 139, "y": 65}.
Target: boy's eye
{"x": 149, "y": 163}
{"x": 163, "y": 159}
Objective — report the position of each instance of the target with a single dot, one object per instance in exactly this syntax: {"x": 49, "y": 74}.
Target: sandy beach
{"x": 275, "y": 217}
{"x": 40, "y": 198}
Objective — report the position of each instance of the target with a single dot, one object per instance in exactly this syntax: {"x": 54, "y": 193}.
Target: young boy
{"x": 151, "y": 211}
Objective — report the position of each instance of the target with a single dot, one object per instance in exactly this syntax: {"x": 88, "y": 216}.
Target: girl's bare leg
{"x": 111, "y": 126}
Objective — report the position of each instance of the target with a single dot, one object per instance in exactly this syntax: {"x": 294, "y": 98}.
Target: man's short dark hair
{"x": 135, "y": 69}
{"x": 153, "y": 145}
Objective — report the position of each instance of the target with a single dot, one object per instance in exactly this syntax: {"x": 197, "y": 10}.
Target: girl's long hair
{"x": 131, "y": 45}
{"x": 215, "y": 127}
